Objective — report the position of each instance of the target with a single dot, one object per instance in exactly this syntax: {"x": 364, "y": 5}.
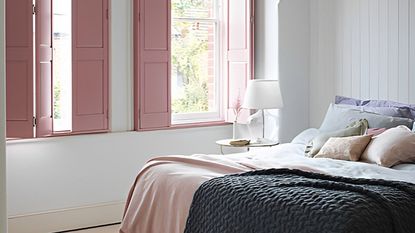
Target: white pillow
{"x": 306, "y": 136}
{"x": 392, "y": 147}
{"x": 338, "y": 117}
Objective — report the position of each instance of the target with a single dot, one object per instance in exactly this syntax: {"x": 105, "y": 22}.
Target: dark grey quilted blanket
{"x": 282, "y": 200}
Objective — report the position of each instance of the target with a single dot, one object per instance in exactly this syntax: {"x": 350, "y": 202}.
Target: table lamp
{"x": 263, "y": 94}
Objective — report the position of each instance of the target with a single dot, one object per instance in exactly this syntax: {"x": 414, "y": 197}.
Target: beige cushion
{"x": 344, "y": 148}
{"x": 394, "y": 146}
{"x": 375, "y": 131}
{"x": 356, "y": 128}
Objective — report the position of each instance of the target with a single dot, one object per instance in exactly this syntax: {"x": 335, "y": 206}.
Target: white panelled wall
{"x": 363, "y": 49}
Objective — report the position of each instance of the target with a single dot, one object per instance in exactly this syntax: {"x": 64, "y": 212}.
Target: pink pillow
{"x": 375, "y": 131}
{"x": 392, "y": 147}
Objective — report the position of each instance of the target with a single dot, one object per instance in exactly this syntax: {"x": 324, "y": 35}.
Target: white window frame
{"x": 217, "y": 115}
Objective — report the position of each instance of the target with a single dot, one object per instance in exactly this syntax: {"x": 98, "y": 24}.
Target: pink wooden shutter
{"x": 44, "y": 126}
{"x": 19, "y": 68}
{"x": 136, "y": 40}
{"x": 239, "y": 45}
{"x": 90, "y": 65}
{"x": 154, "y": 64}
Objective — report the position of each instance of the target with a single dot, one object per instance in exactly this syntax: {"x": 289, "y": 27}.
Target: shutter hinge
{"x": 34, "y": 9}
{"x": 252, "y": 19}
{"x": 139, "y": 17}
{"x": 108, "y": 14}
{"x": 34, "y": 121}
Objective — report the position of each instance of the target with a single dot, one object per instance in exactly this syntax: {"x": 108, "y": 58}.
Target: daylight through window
{"x": 62, "y": 65}
{"x": 195, "y": 61}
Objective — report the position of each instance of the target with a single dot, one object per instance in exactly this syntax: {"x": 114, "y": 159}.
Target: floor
{"x": 107, "y": 229}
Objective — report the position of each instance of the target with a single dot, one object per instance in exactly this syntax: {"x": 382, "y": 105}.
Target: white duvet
{"x": 160, "y": 199}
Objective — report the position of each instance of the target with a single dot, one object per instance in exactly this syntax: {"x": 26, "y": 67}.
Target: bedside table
{"x": 226, "y": 143}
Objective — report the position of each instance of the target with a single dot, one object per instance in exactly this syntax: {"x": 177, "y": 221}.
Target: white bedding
{"x": 160, "y": 199}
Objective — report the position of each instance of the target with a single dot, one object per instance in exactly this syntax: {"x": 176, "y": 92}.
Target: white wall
{"x": 121, "y": 65}
{"x": 322, "y": 23}
{"x": 3, "y": 203}
{"x": 57, "y": 173}
{"x": 294, "y": 57}
{"x": 266, "y": 59}
{"x": 266, "y": 39}
{"x": 363, "y": 49}
{"x": 283, "y": 30}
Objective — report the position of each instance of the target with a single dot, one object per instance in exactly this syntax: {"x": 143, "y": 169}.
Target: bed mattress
{"x": 160, "y": 199}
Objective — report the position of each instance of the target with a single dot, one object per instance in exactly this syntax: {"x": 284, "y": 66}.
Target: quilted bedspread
{"x": 284, "y": 200}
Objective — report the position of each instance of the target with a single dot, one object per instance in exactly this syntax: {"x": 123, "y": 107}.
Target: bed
{"x": 161, "y": 197}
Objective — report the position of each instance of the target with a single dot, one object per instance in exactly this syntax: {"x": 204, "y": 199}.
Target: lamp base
{"x": 262, "y": 141}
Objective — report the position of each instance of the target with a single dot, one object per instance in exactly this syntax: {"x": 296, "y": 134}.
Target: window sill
{"x": 187, "y": 126}
{"x": 55, "y": 135}
{"x": 67, "y": 133}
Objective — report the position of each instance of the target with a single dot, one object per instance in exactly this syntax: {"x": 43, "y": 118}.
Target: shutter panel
{"x": 239, "y": 60}
{"x": 154, "y": 64}
{"x": 44, "y": 126}
{"x": 90, "y": 65}
{"x": 19, "y": 68}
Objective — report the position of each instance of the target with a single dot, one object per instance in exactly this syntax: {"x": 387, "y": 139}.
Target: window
{"x": 192, "y": 60}
{"x": 57, "y": 76}
{"x": 196, "y": 79}
{"x": 62, "y": 65}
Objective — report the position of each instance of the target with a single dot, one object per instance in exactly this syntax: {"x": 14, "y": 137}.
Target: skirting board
{"x": 67, "y": 219}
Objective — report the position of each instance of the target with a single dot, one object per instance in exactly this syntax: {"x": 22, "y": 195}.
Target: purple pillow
{"x": 384, "y": 107}
{"x": 347, "y": 101}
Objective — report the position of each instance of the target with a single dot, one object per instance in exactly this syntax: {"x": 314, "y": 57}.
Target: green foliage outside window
{"x": 189, "y": 56}
{"x": 57, "y": 100}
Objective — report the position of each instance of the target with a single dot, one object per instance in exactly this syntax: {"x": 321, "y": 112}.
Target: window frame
{"x": 218, "y": 114}
{"x": 152, "y": 81}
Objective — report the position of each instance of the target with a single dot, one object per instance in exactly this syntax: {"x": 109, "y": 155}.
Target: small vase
{"x": 234, "y": 130}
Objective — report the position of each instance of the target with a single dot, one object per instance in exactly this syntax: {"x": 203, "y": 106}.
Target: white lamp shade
{"x": 263, "y": 94}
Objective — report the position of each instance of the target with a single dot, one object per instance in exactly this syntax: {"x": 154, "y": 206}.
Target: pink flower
{"x": 237, "y": 106}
